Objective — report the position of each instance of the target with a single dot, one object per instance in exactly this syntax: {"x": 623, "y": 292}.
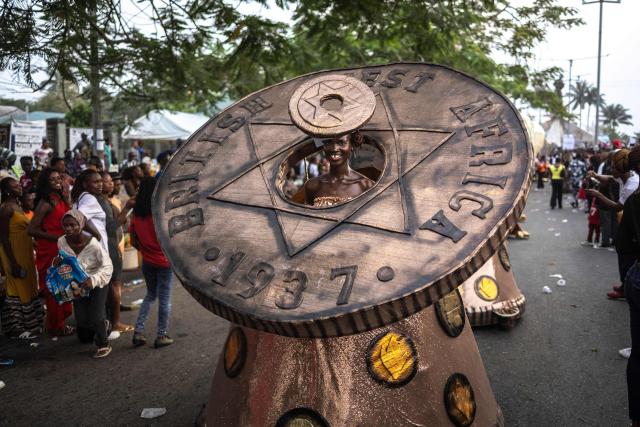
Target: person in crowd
{"x": 578, "y": 170}
{"x": 610, "y": 190}
{"x": 94, "y": 260}
{"x": 84, "y": 195}
{"x": 108, "y": 158}
{"x": 593, "y": 222}
{"x": 558, "y": 173}
{"x": 6, "y": 164}
{"x": 27, "y": 202}
{"x": 145, "y": 166}
{"x": 46, "y": 228}
{"x": 59, "y": 165}
{"x": 155, "y": 267}
{"x": 132, "y": 160}
{"x": 541, "y": 171}
{"x": 116, "y": 179}
{"x": 139, "y": 147}
{"x": 21, "y": 313}
{"x": 43, "y": 154}
{"x": 95, "y": 164}
{"x": 628, "y": 241}
{"x": 69, "y": 163}
{"x": 114, "y": 235}
{"x": 163, "y": 159}
{"x": 628, "y": 181}
{"x": 27, "y": 179}
{"x": 131, "y": 177}
{"x": 5, "y": 170}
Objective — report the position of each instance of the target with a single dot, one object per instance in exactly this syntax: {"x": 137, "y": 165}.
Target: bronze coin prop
{"x": 459, "y": 400}
{"x": 331, "y": 105}
{"x": 487, "y": 288}
{"x": 503, "y": 255}
{"x": 302, "y": 417}
{"x": 450, "y": 312}
{"x": 235, "y": 352}
{"x": 454, "y": 182}
{"x": 392, "y": 359}
{"x": 385, "y": 274}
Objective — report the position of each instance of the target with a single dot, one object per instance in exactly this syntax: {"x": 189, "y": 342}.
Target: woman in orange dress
{"x": 46, "y": 228}
{"x": 22, "y": 311}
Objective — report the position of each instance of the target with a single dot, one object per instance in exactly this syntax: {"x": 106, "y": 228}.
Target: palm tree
{"x": 592, "y": 98}
{"x": 578, "y": 97}
{"x": 614, "y": 115}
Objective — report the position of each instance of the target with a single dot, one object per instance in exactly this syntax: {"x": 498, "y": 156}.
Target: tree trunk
{"x": 94, "y": 79}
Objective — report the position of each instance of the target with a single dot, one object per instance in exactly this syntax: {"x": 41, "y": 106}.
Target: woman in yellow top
{"x": 22, "y": 311}
{"x": 558, "y": 173}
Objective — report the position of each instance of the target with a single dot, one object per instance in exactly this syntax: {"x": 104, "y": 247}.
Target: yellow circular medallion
{"x": 487, "y": 288}
{"x": 459, "y": 400}
{"x": 392, "y": 359}
{"x": 450, "y": 312}
{"x": 235, "y": 352}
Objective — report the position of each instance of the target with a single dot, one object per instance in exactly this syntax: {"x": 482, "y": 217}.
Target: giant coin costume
{"x": 342, "y": 289}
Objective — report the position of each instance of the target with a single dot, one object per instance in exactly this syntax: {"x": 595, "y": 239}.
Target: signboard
{"x": 568, "y": 142}
{"x": 26, "y": 136}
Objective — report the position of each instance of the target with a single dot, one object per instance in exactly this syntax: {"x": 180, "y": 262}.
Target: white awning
{"x": 164, "y": 125}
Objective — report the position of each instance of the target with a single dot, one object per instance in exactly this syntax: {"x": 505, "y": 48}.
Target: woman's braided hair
{"x": 633, "y": 159}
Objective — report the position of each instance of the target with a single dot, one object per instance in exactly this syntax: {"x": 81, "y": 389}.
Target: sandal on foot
{"x": 102, "y": 352}
{"x": 67, "y": 331}
{"x": 123, "y": 328}
{"x": 27, "y": 336}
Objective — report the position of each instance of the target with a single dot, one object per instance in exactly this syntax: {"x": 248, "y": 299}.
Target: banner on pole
{"x": 26, "y": 136}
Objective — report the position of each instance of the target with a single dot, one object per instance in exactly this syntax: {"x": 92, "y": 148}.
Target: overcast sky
{"x": 620, "y": 82}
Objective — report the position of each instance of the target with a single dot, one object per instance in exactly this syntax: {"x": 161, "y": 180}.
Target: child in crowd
{"x": 594, "y": 223}
{"x": 90, "y": 311}
{"x": 155, "y": 267}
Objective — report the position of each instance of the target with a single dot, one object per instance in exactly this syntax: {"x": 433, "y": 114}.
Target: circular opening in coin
{"x": 302, "y": 417}
{"x": 304, "y": 177}
{"x": 332, "y": 102}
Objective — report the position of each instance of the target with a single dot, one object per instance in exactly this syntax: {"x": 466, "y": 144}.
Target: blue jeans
{"x": 632, "y": 293}
{"x": 158, "y": 286}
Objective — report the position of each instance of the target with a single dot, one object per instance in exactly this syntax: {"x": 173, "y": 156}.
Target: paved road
{"x": 558, "y": 367}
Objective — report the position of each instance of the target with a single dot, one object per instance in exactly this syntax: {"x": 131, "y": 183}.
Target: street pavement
{"x": 558, "y": 367}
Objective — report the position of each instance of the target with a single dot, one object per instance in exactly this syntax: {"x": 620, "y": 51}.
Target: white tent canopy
{"x": 164, "y": 125}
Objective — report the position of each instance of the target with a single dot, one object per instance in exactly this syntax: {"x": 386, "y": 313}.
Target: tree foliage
{"x": 614, "y": 115}
{"x": 202, "y": 51}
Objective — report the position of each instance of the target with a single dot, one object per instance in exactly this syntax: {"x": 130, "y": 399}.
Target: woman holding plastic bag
{"x": 46, "y": 228}
{"x": 90, "y": 312}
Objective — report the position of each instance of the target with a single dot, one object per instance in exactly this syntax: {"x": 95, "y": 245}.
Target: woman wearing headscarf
{"x": 22, "y": 311}
{"x": 627, "y": 179}
{"x": 46, "y": 228}
{"x": 91, "y": 317}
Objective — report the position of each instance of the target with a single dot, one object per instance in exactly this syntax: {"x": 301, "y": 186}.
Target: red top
{"x": 148, "y": 241}
{"x": 46, "y": 250}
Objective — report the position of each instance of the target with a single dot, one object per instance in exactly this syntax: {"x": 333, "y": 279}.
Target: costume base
{"x": 283, "y": 380}
{"x": 506, "y": 306}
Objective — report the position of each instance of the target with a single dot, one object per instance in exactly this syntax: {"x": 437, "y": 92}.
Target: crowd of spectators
{"x": 605, "y": 186}
{"x": 82, "y": 205}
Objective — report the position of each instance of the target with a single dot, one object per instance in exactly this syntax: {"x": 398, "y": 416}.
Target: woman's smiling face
{"x": 338, "y": 150}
